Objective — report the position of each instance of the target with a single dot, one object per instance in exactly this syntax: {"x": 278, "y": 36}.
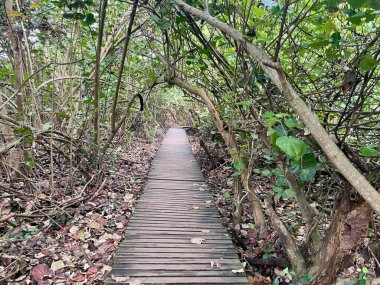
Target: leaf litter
{"x": 77, "y": 246}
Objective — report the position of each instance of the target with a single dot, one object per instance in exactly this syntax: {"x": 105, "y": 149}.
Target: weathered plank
{"x": 176, "y": 207}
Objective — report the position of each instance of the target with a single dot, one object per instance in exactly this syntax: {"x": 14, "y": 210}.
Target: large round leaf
{"x": 292, "y": 146}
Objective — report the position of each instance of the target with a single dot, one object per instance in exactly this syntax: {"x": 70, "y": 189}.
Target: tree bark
{"x": 348, "y": 229}
{"x": 336, "y": 157}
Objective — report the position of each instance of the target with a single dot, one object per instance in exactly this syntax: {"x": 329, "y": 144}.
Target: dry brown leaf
{"x": 40, "y": 271}
{"x": 57, "y": 265}
{"x": 94, "y": 225}
{"x": 92, "y": 271}
{"x": 78, "y": 278}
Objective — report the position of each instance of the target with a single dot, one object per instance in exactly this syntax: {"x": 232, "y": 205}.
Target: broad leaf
{"x": 292, "y": 146}
{"x": 367, "y": 63}
{"x": 369, "y": 151}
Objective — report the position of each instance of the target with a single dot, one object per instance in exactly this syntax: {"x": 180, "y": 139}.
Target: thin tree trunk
{"x": 17, "y": 58}
{"x": 121, "y": 69}
{"x": 103, "y": 7}
{"x": 19, "y": 74}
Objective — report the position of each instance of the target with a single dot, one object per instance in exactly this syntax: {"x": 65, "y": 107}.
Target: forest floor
{"x": 76, "y": 246}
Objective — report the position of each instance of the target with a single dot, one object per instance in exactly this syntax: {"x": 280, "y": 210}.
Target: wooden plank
{"x": 132, "y": 245}
{"x": 174, "y": 240}
{"x": 180, "y": 267}
{"x": 141, "y": 260}
{"x": 160, "y": 273}
{"x": 194, "y": 230}
{"x": 207, "y": 255}
{"x": 188, "y": 280}
{"x": 157, "y": 248}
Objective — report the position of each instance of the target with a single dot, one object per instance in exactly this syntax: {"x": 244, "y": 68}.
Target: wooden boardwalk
{"x": 174, "y": 213}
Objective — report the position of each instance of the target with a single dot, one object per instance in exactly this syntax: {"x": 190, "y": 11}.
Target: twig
{"x": 88, "y": 259}
{"x": 374, "y": 256}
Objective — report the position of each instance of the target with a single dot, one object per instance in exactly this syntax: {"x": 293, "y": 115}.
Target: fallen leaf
{"x": 41, "y": 196}
{"x": 40, "y": 271}
{"x": 128, "y": 197}
{"x": 205, "y": 231}
{"x": 39, "y": 255}
{"x": 79, "y": 235}
{"x": 241, "y": 270}
{"x": 94, "y": 225}
{"x": 120, "y": 278}
{"x": 57, "y": 265}
{"x": 198, "y": 240}
{"x": 92, "y": 271}
{"x": 78, "y": 278}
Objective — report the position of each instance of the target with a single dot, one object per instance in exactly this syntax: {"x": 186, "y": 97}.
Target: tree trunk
{"x": 103, "y": 7}
{"x": 16, "y": 156}
{"x": 348, "y": 230}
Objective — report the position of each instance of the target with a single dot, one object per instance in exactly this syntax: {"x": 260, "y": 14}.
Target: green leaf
{"x": 277, "y": 189}
{"x": 335, "y": 39}
{"x": 245, "y": 103}
{"x": 355, "y": 4}
{"x": 367, "y": 63}
{"x": 266, "y": 173}
{"x": 289, "y": 193}
{"x": 290, "y": 123}
{"x": 281, "y": 130}
{"x": 239, "y": 165}
{"x": 30, "y": 162}
{"x": 270, "y": 118}
{"x": 357, "y": 18}
{"x": 257, "y": 12}
{"x": 308, "y": 167}
{"x": 318, "y": 44}
{"x": 90, "y": 19}
{"x": 374, "y": 4}
{"x": 369, "y": 151}
{"x": 292, "y": 146}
